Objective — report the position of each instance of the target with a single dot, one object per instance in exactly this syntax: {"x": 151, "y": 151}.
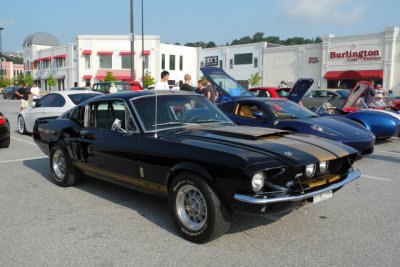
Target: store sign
{"x": 362, "y": 55}
{"x": 313, "y": 60}
{"x": 211, "y": 61}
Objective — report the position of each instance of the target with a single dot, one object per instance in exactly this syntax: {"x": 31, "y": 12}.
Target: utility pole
{"x": 143, "y": 58}
{"x": 132, "y": 39}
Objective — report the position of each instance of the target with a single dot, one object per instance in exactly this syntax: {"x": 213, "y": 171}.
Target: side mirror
{"x": 117, "y": 126}
{"x": 260, "y": 115}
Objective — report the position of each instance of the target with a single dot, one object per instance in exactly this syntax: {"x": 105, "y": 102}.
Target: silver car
{"x": 50, "y": 105}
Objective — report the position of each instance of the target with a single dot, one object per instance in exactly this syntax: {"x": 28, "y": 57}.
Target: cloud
{"x": 337, "y": 12}
{"x": 6, "y": 21}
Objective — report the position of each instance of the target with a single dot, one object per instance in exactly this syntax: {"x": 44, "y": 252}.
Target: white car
{"x": 50, "y": 105}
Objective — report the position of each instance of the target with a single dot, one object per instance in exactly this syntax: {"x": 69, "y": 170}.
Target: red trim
{"x": 354, "y": 74}
{"x": 60, "y": 56}
{"x": 86, "y": 52}
{"x": 45, "y": 58}
{"x": 146, "y": 52}
{"x": 125, "y": 53}
{"x": 104, "y": 52}
{"x": 37, "y": 60}
{"x": 87, "y": 76}
{"x": 119, "y": 74}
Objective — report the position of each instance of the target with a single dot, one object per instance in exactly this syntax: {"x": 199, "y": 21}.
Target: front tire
{"x": 64, "y": 174}
{"x": 21, "y": 125}
{"x": 197, "y": 212}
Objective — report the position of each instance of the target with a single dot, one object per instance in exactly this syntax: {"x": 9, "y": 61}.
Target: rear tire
{"x": 64, "y": 174}
{"x": 197, "y": 212}
{"x": 21, "y": 125}
{"x": 5, "y": 143}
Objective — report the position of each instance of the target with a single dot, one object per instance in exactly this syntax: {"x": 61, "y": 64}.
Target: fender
{"x": 187, "y": 166}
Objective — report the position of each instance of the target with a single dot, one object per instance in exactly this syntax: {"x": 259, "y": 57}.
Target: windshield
{"x": 285, "y": 109}
{"x": 230, "y": 86}
{"x": 176, "y": 111}
{"x": 79, "y": 98}
{"x": 343, "y": 93}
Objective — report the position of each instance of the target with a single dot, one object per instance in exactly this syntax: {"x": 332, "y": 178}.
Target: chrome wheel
{"x": 191, "y": 207}
{"x": 21, "y": 125}
{"x": 59, "y": 165}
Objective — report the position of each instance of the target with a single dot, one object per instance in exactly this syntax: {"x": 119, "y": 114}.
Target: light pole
{"x": 142, "y": 45}
{"x": 132, "y": 38}
{"x": 1, "y": 56}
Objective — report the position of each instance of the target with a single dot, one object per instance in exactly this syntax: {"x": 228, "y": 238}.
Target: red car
{"x": 275, "y": 92}
{"x": 135, "y": 85}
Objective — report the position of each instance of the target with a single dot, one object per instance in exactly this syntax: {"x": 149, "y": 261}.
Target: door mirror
{"x": 117, "y": 126}
{"x": 260, "y": 115}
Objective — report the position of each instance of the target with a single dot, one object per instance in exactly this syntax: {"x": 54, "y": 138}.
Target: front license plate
{"x": 322, "y": 196}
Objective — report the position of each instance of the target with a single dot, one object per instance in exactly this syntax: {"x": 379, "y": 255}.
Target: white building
{"x": 337, "y": 62}
{"x": 92, "y": 56}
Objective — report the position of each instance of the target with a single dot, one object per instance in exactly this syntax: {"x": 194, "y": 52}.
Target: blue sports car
{"x": 287, "y": 115}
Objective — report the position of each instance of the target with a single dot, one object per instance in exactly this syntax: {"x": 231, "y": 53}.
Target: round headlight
{"x": 323, "y": 167}
{"x": 258, "y": 181}
{"x": 317, "y": 128}
{"x": 310, "y": 170}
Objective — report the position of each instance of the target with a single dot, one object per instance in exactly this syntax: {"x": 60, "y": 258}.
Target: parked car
{"x": 201, "y": 161}
{"x": 135, "y": 85}
{"x": 287, "y": 115}
{"x": 317, "y": 97}
{"x": 81, "y": 88}
{"x": 228, "y": 88}
{"x": 9, "y": 92}
{"x": 104, "y": 87}
{"x": 51, "y": 105}
{"x": 4, "y": 131}
{"x": 383, "y": 124}
{"x": 275, "y": 92}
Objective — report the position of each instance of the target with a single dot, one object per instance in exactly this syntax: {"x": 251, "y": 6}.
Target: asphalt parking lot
{"x": 100, "y": 224}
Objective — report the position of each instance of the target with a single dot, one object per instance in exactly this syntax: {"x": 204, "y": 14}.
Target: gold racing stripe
{"x": 124, "y": 178}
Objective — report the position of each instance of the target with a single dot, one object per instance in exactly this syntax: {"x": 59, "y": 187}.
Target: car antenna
{"x": 155, "y": 115}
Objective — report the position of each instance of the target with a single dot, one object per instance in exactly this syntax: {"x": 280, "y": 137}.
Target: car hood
{"x": 299, "y": 89}
{"x": 335, "y": 128}
{"x": 244, "y": 140}
{"x": 355, "y": 94}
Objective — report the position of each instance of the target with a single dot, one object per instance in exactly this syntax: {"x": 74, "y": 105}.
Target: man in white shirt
{"x": 113, "y": 89}
{"x": 35, "y": 92}
{"x": 163, "y": 83}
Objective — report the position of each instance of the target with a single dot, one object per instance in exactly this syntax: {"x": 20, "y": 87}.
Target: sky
{"x": 183, "y": 21}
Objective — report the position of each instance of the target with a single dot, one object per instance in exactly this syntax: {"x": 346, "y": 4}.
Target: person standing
{"x": 35, "y": 92}
{"x": 23, "y": 93}
{"x": 113, "y": 89}
{"x": 163, "y": 83}
{"x": 186, "y": 85}
{"x": 369, "y": 94}
{"x": 212, "y": 93}
{"x": 200, "y": 88}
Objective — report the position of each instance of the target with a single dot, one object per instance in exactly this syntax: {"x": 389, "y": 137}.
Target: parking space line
{"x": 21, "y": 140}
{"x": 16, "y": 160}
{"x": 376, "y": 178}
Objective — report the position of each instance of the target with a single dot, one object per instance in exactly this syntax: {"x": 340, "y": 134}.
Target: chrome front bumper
{"x": 264, "y": 200}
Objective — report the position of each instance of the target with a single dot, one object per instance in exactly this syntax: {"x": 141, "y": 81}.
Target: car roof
{"x": 133, "y": 94}
{"x": 73, "y": 92}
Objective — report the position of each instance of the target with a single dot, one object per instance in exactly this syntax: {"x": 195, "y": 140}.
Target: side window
{"x": 58, "y": 101}
{"x": 112, "y": 115}
{"x": 46, "y": 100}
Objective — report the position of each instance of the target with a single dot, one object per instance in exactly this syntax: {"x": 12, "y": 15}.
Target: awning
{"x": 104, "y": 52}
{"x": 354, "y": 74}
{"x": 118, "y": 74}
{"x": 60, "y": 77}
{"x": 45, "y": 77}
{"x": 87, "y": 77}
{"x": 86, "y": 52}
{"x": 45, "y": 58}
{"x": 146, "y": 52}
{"x": 60, "y": 56}
{"x": 125, "y": 53}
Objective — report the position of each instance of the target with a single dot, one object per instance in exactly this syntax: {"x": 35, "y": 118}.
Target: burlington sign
{"x": 350, "y": 55}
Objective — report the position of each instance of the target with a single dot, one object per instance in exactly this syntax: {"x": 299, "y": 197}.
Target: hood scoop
{"x": 245, "y": 132}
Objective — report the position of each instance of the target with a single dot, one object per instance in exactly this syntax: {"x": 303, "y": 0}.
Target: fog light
{"x": 323, "y": 167}
{"x": 258, "y": 181}
{"x": 309, "y": 171}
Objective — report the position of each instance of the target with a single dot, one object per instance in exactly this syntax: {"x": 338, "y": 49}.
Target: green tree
{"x": 110, "y": 77}
{"x": 28, "y": 79}
{"x": 148, "y": 79}
{"x": 258, "y": 37}
{"x": 255, "y": 79}
{"x": 21, "y": 78}
{"x": 51, "y": 81}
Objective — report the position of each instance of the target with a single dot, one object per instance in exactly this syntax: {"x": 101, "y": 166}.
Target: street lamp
{"x": 132, "y": 38}
{"x": 1, "y": 54}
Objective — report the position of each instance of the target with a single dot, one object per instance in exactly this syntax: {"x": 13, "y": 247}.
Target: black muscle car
{"x": 180, "y": 145}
